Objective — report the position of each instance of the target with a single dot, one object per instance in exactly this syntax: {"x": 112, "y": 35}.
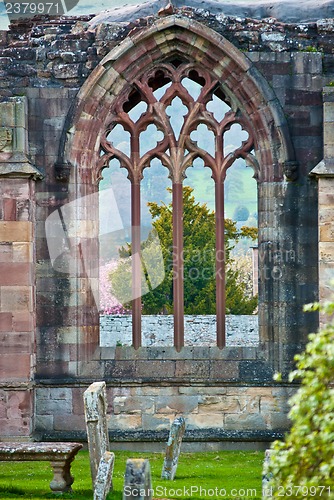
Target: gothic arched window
{"x": 177, "y": 99}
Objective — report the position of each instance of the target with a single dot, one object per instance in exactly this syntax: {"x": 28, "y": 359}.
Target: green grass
{"x": 229, "y": 471}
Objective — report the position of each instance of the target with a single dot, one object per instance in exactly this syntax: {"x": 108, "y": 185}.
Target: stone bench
{"x": 60, "y": 456}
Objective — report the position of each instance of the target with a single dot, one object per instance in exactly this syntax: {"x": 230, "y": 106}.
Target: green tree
{"x": 198, "y": 261}
{"x": 303, "y": 464}
{"x": 241, "y": 213}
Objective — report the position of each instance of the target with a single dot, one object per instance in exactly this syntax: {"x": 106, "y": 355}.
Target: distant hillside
{"x": 240, "y": 188}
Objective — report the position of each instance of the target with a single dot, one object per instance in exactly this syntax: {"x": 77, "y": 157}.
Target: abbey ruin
{"x": 65, "y": 83}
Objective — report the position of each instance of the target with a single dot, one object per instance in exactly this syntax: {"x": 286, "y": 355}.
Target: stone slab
{"x": 173, "y": 448}
{"x": 103, "y": 482}
{"x": 137, "y": 480}
{"x": 60, "y": 455}
{"x": 95, "y": 402}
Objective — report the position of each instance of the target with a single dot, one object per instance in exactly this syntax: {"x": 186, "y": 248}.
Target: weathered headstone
{"x": 95, "y": 401}
{"x": 137, "y": 480}
{"x": 266, "y": 477}
{"x": 173, "y": 448}
{"x": 103, "y": 481}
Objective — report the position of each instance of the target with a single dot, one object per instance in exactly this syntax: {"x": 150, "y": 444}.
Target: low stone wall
{"x": 158, "y": 330}
{"x": 143, "y": 413}
{"x": 225, "y": 395}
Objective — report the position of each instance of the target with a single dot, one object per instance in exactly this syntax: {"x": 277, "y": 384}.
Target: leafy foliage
{"x": 306, "y": 457}
{"x": 198, "y": 261}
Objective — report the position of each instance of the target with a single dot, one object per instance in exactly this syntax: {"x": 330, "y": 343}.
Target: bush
{"x": 303, "y": 465}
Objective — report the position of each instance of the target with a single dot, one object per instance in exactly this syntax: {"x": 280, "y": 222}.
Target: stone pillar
{"x": 173, "y": 448}
{"x": 288, "y": 269}
{"x": 95, "y": 400}
{"x": 324, "y": 172}
{"x": 17, "y": 270}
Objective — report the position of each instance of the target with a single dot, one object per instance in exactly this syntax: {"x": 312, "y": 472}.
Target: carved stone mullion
{"x": 176, "y": 90}
{"x": 252, "y": 162}
{"x": 227, "y": 163}
{"x": 111, "y": 153}
{"x": 207, "y": 92}
{"x": 219, "y": 157}
{"x": 188, "y": 160}
{"x": 136, "y": 253}
{"x": 102, "y": 163}
{"x": 155, "y": 152}
{"x": 220, "y": 263}
{"x": 201, "y": 153}
{"x": 126, "y": 122}
{"x": 227, "y": 122}
{"x": 162, "y": 123}
{"x": 166, "y": 161}
{"x": 197, "y": 115}
{"x": 178, "y": 282}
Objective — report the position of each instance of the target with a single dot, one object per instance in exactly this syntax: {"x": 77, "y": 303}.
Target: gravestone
{"x": 266, "y": 477}
{"x": 137, "y": 480}
{"x": 95, "y": 402}
{"x": 173, "y": 448}
{"x": 103, "y": 481}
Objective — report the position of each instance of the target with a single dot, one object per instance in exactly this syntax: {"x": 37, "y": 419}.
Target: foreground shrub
{"x": 303, "y": 465}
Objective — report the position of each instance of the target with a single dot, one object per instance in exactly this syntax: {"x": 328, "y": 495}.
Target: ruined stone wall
{"x": 324, "y": 172}
{"x": 158, "y": 330}
{"x": 17, "y": 271}
{"x": 47, "y": 61}
{"x": 16, "y": 323}
{"x": 47, "y": 53}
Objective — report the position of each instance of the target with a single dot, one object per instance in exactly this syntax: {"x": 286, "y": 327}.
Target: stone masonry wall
{"x": 17, "y": 271}
{"x": 48, "y": 52}
{"x": 158, "y": 330}
{"x": 324, "y": 172}
{"x": 225, "y": 395}
{"x": 145, "y": 412}
{"x": 17, "y": 321}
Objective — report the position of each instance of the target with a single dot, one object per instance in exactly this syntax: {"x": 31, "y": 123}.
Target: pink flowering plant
{"x": 108, "y": 302}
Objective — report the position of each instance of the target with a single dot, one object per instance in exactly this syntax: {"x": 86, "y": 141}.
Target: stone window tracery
{"x": 170, "y": 105}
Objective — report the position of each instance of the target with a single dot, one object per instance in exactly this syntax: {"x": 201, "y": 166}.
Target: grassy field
{"x": 229, "y": 475}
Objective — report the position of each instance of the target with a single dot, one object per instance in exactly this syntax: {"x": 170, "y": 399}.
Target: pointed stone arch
{"x": 168, "y": 38}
